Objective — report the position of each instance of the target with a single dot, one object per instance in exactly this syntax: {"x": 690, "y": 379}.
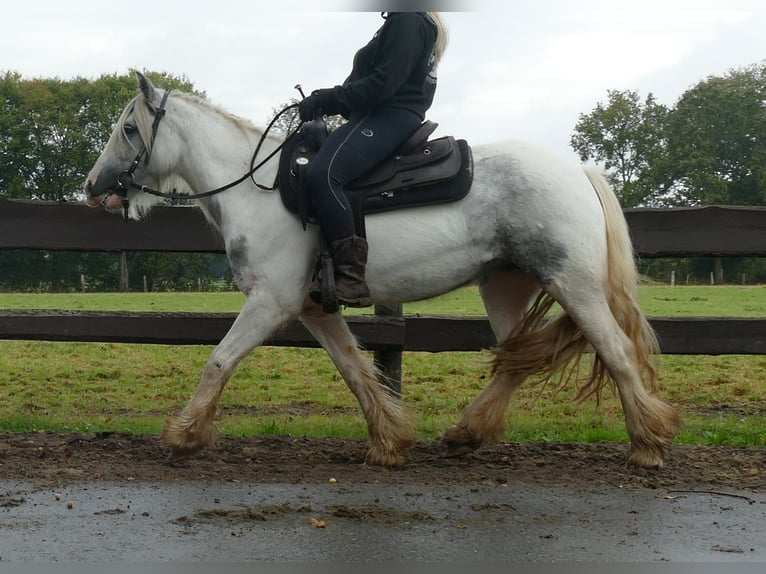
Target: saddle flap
{"x": 432, "y": 153}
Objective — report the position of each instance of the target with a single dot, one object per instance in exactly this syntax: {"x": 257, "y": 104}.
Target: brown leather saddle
{"x": 421, "y": 172}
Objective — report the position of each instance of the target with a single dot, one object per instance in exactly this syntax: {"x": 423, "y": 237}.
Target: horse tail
{"x": 623, "y": 279}
{"x": 554, "y": 347}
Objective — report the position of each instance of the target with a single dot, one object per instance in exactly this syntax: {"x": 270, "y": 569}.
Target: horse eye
{"x": 130, "y": 129}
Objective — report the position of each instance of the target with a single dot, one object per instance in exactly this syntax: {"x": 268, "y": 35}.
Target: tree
{"x": 717, "y": 139}
{"x": 24, "y": 270}
{"x": 289, "y": 121}
{"x": 165, "y": 271}
{"x": 627, "y": 136}
{"x": 710, "y": 148}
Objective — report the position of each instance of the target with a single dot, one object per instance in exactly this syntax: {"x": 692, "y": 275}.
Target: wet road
{"x": 351, "y": 522}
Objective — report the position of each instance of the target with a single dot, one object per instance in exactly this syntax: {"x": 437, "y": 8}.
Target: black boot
{"x": 350, "y": 257}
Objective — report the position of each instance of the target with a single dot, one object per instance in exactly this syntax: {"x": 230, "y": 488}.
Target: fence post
{"x": 123, "y": 279}
{"x": 390, "y": 362}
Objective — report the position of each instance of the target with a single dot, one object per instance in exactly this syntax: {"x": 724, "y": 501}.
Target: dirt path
{"x": 58, "y": 459}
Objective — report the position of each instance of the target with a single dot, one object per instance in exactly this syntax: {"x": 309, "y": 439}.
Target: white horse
{"x": 531, "y": 232}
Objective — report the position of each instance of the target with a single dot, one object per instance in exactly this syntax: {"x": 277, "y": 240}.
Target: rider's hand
{"x": 325, "y": 100}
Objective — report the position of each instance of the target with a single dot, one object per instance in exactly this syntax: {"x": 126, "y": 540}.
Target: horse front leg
{"x": 194, "y": 428}
{"x": 389, "y": 429}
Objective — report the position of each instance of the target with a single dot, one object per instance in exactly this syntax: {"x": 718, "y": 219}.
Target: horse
{"x": 534, "y": 231}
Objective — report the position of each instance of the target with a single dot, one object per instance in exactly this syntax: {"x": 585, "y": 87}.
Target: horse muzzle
{"x": 106, "y": 197}
{"x": 93, "y": 196}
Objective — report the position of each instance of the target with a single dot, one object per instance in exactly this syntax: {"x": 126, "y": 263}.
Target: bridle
{"x": 125, "y": 179}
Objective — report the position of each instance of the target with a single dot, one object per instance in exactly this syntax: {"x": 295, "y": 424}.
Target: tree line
{"x": 708, "y": 148}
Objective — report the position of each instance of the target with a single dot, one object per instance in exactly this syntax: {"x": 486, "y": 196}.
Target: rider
{"x": 384, "y": 99}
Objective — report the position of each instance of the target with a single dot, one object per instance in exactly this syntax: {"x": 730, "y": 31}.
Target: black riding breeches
{"x": 349, "y": 152}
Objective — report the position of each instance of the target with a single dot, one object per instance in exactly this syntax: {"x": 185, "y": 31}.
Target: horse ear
{"x": 146, "y": 86}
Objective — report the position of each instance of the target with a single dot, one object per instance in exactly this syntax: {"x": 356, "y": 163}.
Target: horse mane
{"x": 240, "y": 122}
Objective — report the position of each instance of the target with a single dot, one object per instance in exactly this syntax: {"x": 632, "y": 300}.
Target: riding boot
{"x": 350, "y": 257}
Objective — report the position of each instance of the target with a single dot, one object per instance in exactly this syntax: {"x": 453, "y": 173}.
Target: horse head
{"x": 129, "y": 152}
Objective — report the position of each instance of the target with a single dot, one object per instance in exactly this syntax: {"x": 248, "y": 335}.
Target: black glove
{"x": 326, "y": 100}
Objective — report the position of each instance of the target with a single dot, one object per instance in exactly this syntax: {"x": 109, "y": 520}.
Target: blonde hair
{"x": 442, "y": 37}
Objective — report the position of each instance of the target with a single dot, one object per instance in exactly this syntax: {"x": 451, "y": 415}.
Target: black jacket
{"x": 394, "y": 68}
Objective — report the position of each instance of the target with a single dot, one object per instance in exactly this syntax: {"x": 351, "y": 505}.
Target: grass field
{"x": 661, "y": 300}
{"x": 134, "y": 388}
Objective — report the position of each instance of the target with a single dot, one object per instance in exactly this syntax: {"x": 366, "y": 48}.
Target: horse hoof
{"x": 648, "y": 462}
{"x": 459, "y": 442}
{"x": 384, "y": 459}
{"x": 175, "y": 456}
{"x": 458, "y": 450}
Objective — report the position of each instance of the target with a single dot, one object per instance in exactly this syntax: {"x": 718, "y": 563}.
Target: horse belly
{"x": 421, "y": 253}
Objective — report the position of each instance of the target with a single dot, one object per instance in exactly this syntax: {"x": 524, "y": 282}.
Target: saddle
{"x": 421, "y": 172}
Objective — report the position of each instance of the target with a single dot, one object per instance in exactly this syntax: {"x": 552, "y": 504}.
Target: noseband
{"x": 125, "y": 179}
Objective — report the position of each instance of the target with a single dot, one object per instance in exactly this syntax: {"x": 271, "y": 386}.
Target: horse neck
{"x": 219, "y": 150}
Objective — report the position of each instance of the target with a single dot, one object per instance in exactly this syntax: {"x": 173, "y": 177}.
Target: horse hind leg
{"x": 507, "y": 296}
{"x": 624, "y": 348}
{"x": 651, "y": 423}
{"x": 531, "y": 347}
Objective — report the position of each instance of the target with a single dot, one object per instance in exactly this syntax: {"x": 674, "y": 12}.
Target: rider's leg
{"x": 349, "y": 152}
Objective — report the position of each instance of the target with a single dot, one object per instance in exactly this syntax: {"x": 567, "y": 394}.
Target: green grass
{"x": 83, "y": 387}
{"x": 168, "y": 302}
{"x": 718, "y": 301}
{"x": 659, "y": 300}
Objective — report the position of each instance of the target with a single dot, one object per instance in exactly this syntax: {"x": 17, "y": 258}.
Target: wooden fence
{"x": 685, "y": 232}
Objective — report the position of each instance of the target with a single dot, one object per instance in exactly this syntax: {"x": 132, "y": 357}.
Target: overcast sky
{"x": 519, "y": 69}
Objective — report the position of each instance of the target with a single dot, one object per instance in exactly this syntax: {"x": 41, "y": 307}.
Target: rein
{"x": 125, "y": 179}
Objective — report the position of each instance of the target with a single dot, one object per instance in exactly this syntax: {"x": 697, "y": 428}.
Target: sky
{"x": 514, "y": 69}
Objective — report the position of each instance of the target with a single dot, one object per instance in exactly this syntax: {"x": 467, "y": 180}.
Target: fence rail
{"x": 682, "y": 232}
{"x": 686, "y": 232}
{"x": 679, "y": 336}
